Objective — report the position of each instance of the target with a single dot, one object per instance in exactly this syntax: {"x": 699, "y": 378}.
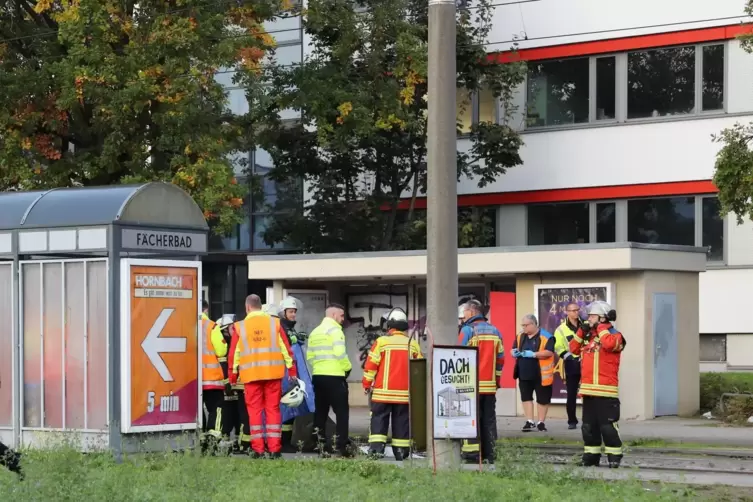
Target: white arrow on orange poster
{"x": 154, "y": 345}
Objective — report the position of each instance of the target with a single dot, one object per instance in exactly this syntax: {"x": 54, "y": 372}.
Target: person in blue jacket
{"x": 288, "y": 313}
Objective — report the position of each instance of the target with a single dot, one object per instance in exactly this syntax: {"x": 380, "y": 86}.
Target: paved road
{"x": 669, "y": 429}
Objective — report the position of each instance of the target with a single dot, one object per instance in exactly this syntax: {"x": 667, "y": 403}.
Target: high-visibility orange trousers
{"x": 264, "y": 396}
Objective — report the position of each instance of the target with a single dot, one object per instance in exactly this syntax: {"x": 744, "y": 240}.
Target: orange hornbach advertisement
{"x": 164, "y": 315}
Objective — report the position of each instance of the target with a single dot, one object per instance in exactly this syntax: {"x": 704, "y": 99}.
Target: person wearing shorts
{"x": 533, "y": 351}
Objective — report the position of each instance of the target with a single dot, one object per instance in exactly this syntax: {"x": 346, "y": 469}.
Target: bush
{"x": 713, "y": 385}
{"x": 64, "y": 475}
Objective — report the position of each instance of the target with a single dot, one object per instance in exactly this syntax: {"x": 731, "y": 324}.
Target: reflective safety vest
{"x": 546, "y": 365}
{"x": 562, "y": 335}
{"x": 477, "y": 332}
{"x": 260, "y": 354}
{"x": 326, "y": 350}
{"x": 212, "y": 376}
{"x": 387, "y": 371}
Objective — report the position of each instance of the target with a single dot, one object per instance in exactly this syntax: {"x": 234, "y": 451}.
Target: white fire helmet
{"x": 289, "y": 303}
{"x": 396, "y": 319}
{"x": 226, "y": 320}
{"x": 295, "y": 396}
{"x": 599, "y": 308}
{"x": 270, "y": 309}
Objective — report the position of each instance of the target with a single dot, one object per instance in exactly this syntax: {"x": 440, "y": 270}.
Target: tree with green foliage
{"x": 733, "y": 174}
{"x": 100, "y": 92}
{"x": 360, "y": 146}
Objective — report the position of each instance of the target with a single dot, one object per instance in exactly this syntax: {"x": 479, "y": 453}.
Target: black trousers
{"x": 380, "y": 422}
{"x": 214, "y": 400}
{"x": 572, "y": 384}
{"x": 287, "y": 435}
{"x": 331, "y": 392}
{"x": 600, "y": 424}
{"x": 237, "y": 419}
{"x": 10, "y": 459}
{"x": 487, "y": 418}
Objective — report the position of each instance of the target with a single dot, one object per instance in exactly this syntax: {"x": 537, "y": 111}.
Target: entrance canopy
{"x": 479, "y": 262}
{"x": 151, "y": 217}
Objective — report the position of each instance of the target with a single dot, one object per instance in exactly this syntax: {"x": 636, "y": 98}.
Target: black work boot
{"x": 401, "y": 453}
{"x": 590, "y": 460}
{"x": 614, "y": 461}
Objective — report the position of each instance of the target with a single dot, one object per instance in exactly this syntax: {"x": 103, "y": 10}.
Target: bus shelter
{"x": 100, "y": 289}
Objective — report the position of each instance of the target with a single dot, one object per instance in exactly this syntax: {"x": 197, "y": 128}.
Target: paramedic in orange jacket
{"x": 386, "y": 375}
{"x": 600, "y": 346}
{"x": 261, "y": 356}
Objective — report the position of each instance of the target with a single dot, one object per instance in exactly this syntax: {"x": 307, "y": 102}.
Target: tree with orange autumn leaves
{"x": 101, "y": 92}
{"x": 361, "y": 143}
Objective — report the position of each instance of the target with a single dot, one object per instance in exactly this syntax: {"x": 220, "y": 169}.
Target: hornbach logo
{"x": 163, "y": 240}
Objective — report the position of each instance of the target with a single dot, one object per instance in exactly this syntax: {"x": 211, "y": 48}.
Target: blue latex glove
{"x": 529, "y": 354}
{"x": 515, "y": 353}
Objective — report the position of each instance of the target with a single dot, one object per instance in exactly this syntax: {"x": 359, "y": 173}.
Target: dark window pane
{"x": 558, "y": 224}
{"x": 557, "y": 92}
{"x": 605, "y": 88}
{"x": 464, "y": 110}
{"x": 606, "y": 230}
{"x": 713, "y": 77}
{"x": 260, "y": 223}
{"x": 661, "y": 82}
{"x": 477, "y": 227}
{"x": 662, "y": 221}
{"x": 713, "y": 347}
{"x": 713, "y": 229}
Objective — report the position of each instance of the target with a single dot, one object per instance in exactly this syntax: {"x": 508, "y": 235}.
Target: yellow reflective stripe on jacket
{"x": 588, "y": 389}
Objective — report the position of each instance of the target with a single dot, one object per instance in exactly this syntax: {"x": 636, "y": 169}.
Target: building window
{"x": 558, "y": 224}
{"x": 284, "y": 28}
{"x": 713, "y": 348}
{"x": 713, "y": 78}
{"x": 712, "y": 228}
{"x": 464, "y": 104}
{"x": 606, "y": 222}
{"x": 275, "y": 198}
{"x": 606, "y": 89}
{"x": 668, "y": 220}
{"x": 661, "y": 82}
{"x": 474, "y": 107}
{"x": 557, "y": 92}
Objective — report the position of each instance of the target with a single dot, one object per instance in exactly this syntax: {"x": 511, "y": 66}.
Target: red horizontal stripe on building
{"x": 625, "y": 43}
{"x": 577, "y": 194}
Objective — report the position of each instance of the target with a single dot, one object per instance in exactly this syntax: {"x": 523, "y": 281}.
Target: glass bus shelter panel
{"x": 74, "y": 282}
{"x": 6, "y": 345}
{"x": 65, "y": 344}
{"x": 96, "y": 346}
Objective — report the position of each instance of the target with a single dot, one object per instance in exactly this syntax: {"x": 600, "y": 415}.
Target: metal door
{"x": 665, "y": 354}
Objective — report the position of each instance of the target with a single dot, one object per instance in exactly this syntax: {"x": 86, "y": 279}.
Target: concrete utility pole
{"x": 442, "y": 191}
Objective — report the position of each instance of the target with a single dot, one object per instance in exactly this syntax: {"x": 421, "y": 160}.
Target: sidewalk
{"x": 668, "y": 429}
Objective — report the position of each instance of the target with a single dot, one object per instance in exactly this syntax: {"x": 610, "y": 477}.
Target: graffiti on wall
{"x": 365, "y": 323}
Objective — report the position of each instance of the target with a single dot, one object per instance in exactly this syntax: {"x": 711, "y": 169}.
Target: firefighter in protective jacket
{"x": 600, "y": 346}
{"x": 387, "y": 376}
{"x": 477, "y": 331}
